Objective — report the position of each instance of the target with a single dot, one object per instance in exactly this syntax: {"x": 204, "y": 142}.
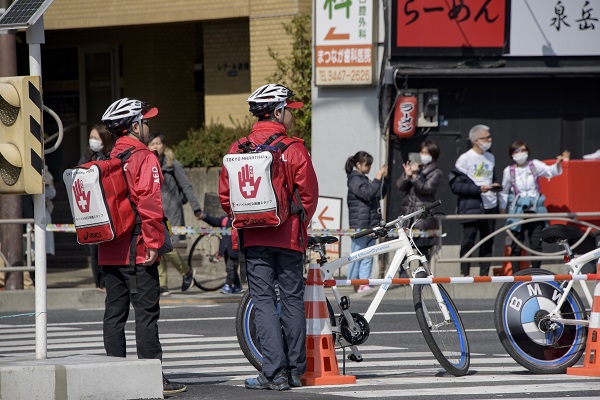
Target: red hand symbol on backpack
{"x": 82, "y": 199}
{"x": 248, "y": 186}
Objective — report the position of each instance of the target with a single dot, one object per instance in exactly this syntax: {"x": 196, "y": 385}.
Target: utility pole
{"x": 11, "y": 235}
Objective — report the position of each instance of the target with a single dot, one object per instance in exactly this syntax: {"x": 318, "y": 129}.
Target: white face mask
{"x": 95, "y": 145}
{"x": 520, "y": 158}
{"x": 485, "y": 146}
{"x": 426, "y": 159}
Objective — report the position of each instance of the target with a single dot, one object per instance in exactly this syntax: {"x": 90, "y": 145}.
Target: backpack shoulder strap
{"x": 513, "y": 180}
{"x": 137, "y": 230}
{"x": 536, "y": 178}
{"x": 282, "y": 144}
{"x": 245, "y": 146}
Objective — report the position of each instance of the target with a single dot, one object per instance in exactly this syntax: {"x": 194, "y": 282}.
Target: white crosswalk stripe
{"x": 386, "y": 371}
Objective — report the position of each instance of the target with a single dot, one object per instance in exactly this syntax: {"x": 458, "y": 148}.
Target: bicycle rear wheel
{"x": 246, "y": 329}
{"x": 446, "y": 339}
{"x": 520, "y": 316}
{"x": 210, "y": 269}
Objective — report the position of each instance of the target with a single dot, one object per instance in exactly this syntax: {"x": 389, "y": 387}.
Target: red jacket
{"x": 299, "y": 169}
{"x": 144, "y": 178}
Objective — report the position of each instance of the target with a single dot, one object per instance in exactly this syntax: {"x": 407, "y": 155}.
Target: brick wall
{"x": 226, "y": 70}
{"x": 74, "y": 14}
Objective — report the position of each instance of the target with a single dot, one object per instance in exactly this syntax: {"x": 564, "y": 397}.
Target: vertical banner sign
{"x": 344, "y": 51}
{"x": 329, "y": 216}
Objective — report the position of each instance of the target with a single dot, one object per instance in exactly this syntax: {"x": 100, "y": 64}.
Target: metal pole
{"x": 11, "y": 236}
{"x": 35, "y": 36}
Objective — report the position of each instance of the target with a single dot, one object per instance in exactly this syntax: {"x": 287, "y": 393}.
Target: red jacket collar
{"x": 127, "y": 142}
{"x": 262, "y": 130}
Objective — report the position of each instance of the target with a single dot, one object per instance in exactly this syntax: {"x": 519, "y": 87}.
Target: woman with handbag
{"x": 176, "y": 190}
{"x": 521, "y": 194}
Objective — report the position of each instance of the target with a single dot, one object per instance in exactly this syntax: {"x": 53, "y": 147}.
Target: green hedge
{"x": 205, "y": 147}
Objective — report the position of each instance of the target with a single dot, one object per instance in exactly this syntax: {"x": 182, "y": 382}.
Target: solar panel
{"x": 23, "y": 13}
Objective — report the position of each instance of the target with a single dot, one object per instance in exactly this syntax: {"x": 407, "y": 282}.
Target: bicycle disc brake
{"x": 361, "y": 333}
{"x": 544, "y": 324}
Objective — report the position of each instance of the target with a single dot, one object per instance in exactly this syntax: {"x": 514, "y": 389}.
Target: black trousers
{"x": 96, "y": 270}
{"x": 533, "y": 231}
{"x": 231, "y": 267}
{"x": 145, "y": 303}
{"x": 470, "y": 229}
{"x": 266, "y": 266}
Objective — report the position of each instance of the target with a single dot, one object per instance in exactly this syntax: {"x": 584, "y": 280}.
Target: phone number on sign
{"x": 344, "y": 76}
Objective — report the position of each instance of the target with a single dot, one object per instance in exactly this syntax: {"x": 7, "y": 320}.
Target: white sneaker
{"x": 364, "y": 288}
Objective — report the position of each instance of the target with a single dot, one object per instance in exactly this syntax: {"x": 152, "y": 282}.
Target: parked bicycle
{"x": 437, "y": 315}
{"x": 204, "y": 258}
{"x": 543, "y": 325}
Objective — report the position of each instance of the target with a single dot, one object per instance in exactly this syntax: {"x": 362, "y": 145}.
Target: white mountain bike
{"x": 436, "y": 314}
{"x": 543, "y": 325}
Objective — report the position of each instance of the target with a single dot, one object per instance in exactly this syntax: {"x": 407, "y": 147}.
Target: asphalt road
{"x": 201, "y": 350}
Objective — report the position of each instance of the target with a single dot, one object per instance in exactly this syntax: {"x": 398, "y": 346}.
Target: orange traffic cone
{"x": 506, "y": 269}
{"x": 321, "y": 363}
{"x": 591, "y": 364}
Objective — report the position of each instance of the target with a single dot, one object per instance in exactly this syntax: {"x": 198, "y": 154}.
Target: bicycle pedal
{"x": 355, "y": 358}
{"x": 344, "y": 303}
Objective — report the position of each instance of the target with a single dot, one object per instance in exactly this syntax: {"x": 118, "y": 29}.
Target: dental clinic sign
{"x": 344, "y": 51}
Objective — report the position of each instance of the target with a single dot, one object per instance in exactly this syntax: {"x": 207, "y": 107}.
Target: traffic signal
{"x": 21, "y": 142}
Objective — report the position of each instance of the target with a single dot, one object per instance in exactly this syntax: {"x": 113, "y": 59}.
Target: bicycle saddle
{"x": 312, "y": 240}
{"x": 554, "y": 233}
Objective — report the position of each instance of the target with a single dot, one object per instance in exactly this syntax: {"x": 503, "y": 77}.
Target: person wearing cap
{"x": 275, "y": 255}
{"x": 132, "y": 279}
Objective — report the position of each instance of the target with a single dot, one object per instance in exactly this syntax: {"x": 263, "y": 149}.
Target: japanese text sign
{"x": 344, "y": 42}
{"x": 555, "y": 28}
{"x": 449, "y": 26}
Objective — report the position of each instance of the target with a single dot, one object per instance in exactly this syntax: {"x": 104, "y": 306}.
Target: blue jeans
{"x": 361, "y": 269}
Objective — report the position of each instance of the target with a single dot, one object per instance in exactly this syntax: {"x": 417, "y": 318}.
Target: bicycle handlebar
{"x": 399, "y": 220}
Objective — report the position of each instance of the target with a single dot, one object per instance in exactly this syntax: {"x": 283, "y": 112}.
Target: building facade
{"x": 196, "y": 60}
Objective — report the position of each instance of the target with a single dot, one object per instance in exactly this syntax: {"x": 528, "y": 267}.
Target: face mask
{"x": 426, "y": 159}
{"x": 520, "y": 158}
{"x": 95, "y": 145}
{"x": 485, "y": 146}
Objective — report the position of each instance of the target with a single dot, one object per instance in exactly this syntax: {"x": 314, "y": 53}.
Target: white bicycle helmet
{"x": 119, "y": 116}
{"x": 271, "y": 97}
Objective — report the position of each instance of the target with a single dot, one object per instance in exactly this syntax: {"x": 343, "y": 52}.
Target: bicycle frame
{"x": 404, "y": 251}
{"x": 575, "y": 266}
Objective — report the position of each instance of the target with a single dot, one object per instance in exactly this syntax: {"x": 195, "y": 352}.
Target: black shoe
{"x": 172, "y": 388}
{"x": 164, "y": 291}
{"x": 188, "y": 279}
{"x": 293, "y": 380}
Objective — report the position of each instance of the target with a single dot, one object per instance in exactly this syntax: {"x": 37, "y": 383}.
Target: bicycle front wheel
{"x": 528, "y": 336}
{"x": 210, "y": 269}
{"x": 446, "y": 339}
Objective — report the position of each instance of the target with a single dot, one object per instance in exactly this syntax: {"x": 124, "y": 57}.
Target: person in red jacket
{"x": 275, "y": 255}
{"x": 132, "y": 277}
